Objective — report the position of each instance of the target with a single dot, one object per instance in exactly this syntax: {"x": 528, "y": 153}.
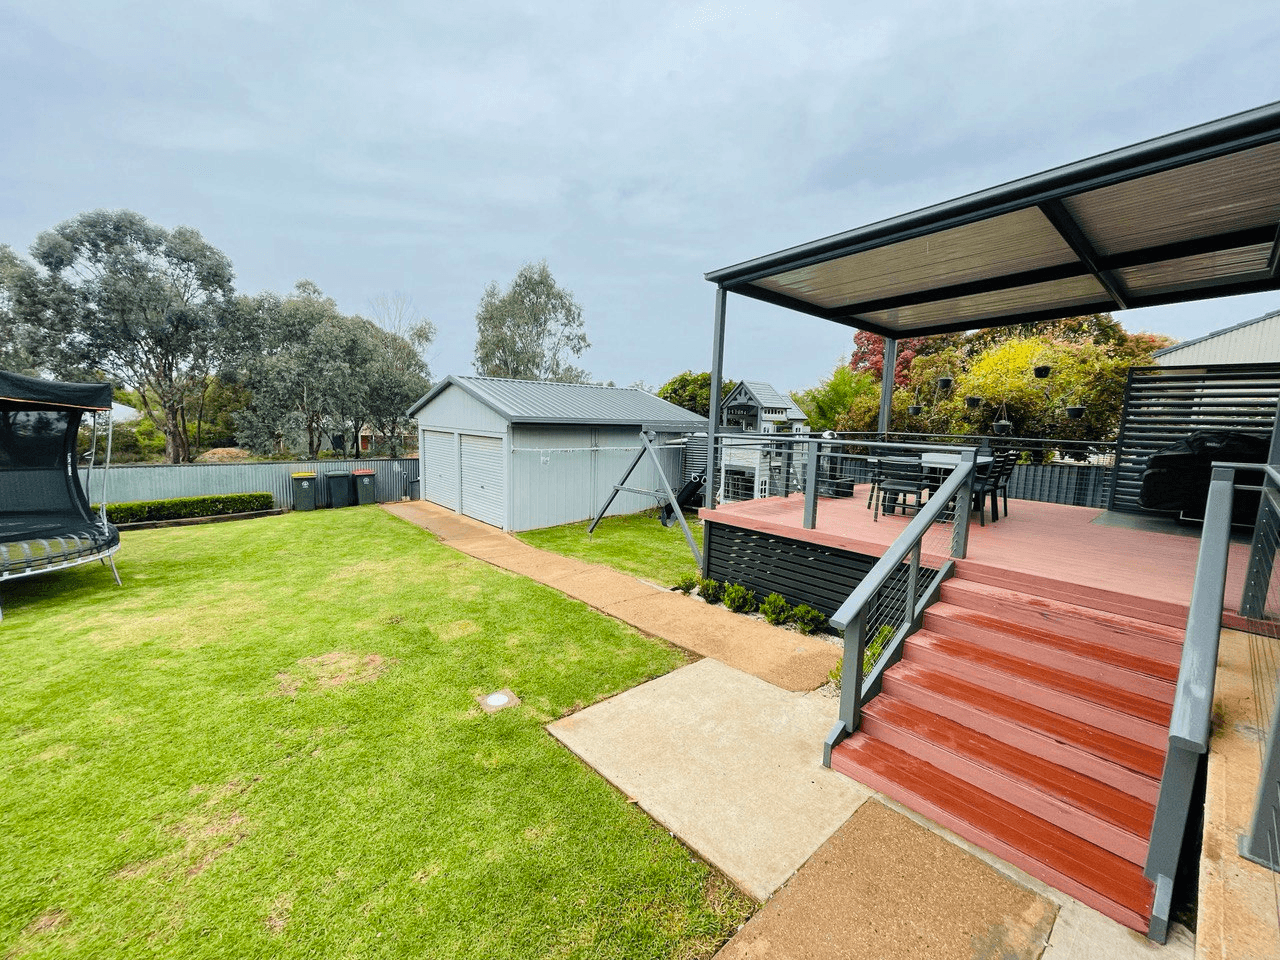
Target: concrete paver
{"x": 730, "y": 764}
{"x": 884, "y": 887}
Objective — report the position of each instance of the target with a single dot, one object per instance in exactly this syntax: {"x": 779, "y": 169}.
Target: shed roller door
{"x": 484, "y": 494}
{"x": 439, "y": 468}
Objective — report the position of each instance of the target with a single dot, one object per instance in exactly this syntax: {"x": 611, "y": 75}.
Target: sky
{"x": 427, "y": 149}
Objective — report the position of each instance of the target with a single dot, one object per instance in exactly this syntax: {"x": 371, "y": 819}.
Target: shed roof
{"x": 766, "y": 396}
{"x": 1273, "y": 315}
{"x": 1187, "y": 216}
{"x": 538, "y": 401}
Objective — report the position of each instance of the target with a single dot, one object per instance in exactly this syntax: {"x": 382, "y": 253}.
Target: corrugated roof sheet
{"x": 536, "y": 401}
{"x": 1217, "y": 333}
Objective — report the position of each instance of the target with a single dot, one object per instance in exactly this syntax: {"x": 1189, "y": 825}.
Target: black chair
{"x": 1002, "y": 481}
{"x": 899, "y": 478}
{"x": 986, "y": 480}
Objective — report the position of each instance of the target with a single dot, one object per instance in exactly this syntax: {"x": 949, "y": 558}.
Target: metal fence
{"x": 126, "y": 484}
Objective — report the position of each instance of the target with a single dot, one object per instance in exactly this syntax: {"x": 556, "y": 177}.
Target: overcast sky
{"x": 429, "y": 148}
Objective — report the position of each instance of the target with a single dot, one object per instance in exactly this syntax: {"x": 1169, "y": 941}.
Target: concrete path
{"x": 782, "y": 657}
{"x": 728, "y": 763}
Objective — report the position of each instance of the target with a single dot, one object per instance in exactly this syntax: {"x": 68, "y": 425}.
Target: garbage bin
{"x": 339, "y": 488}
{"x": 304, "y": 491}
{"x": 366, "y": 488}
{"x": 414, "y": 490}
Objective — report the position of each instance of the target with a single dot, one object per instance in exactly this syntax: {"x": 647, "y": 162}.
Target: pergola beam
{"x": 1056, "y": 213}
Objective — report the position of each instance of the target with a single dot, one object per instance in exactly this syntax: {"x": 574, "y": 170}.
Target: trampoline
{"x": 46, "y": 522}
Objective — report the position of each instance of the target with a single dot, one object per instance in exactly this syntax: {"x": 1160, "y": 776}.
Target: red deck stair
{"x": 1031, "y": 718}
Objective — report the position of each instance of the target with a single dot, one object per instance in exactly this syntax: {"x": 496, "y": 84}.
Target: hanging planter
{"x": 914, "y": 410}
{"x": 1001, "y": 428}
{"x": 973, "y": 403}
{"x": 1042, "y": 371}
{"x": 944, "y": 383}
{"x": 1075, "y": 413}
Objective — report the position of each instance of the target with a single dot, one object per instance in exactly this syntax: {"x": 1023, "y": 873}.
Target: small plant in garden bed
{"x": 710, "y": 590}
{"x": 739, "y": 599}
{"x": 870, "y": 654}
{"x": 776, "y": 609}
{"x": 687, "y": 584}
{"x": 807, "y": 619}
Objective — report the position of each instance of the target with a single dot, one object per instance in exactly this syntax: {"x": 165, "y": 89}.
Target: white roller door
{"x": 484, "y": 490}
{"x": 439, "y": 468}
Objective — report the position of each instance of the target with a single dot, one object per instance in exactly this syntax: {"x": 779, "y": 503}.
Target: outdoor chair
{"x": 898, "y": 479}
{"x": 985, "y": 484}
{"x": 1001, "y": 488}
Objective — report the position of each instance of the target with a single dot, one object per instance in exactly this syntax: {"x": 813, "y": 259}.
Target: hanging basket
{"x": 1001, "y": 428}
{"x": 914, "y": 410}
{"x": 944, "y": 383}
{"x": 1042, "y": 371}
{"x": 973, "y": 403}
{"x": 1075, "y": 413}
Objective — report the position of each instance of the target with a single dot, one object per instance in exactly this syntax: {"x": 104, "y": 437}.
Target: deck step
{"x": 1058, "y": 617}
{"x": 1162, "y": 612}
{"x": 1098, "y": 702}
{"x": 1098, "y": 812}
{"x": 1109, "y": 883}
{"x": 1131, "y": 766}
{"x": 1134, "y": 669}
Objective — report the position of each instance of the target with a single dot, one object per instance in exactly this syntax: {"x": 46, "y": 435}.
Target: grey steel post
{"x": 964, "y": 504}
{"x": 787, "y": 447}
{"x": 713, "y": 420}
{"x": 1261, "y": 843}
{"x": 811, "y": 486}
{"x": 886, "y": 385}
{"x": 913, "y": 586}
{"x": 855, "y": 642}
{"x": 1262, "y": 554}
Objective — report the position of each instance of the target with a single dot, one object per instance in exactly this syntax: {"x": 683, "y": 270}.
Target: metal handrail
{"x": 1192, "y": 716}
{"x": 851, "y": 617}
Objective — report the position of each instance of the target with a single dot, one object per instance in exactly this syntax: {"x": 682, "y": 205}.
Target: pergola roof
{"x": 1188, "y": 216}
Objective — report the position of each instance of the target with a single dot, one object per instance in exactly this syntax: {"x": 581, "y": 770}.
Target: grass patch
{"x": 636, "y": 544}
{"x": 267, "y": 744}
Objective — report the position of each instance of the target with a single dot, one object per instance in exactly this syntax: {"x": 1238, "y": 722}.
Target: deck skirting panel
{"x": 821, "y": 576}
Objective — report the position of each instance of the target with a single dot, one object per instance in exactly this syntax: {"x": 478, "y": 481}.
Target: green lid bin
{"x": 339, "y": 482}
{"x": 304, "y": 491}
{"x": 366, "y": 486}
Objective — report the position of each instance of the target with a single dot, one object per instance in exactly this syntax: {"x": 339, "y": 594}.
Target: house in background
{"x": 755, "y": 407}
{"x": 1254, "y": 341}
{"x": 524, "y": 454}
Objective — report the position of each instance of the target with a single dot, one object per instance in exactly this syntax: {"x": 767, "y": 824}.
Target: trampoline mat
{"x": 36, "y": 541}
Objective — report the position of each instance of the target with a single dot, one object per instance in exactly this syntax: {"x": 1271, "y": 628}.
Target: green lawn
{"x": 267, "y": 744}
{"x": 637, "y": 544}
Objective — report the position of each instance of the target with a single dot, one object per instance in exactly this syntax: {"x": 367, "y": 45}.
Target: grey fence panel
{"x": 1075, "y": 484}
{"x": 126, "y": 484}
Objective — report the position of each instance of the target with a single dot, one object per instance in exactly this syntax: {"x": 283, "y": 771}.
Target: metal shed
{"x": 1254, "y": 341}
{"x": 524, "y": 454}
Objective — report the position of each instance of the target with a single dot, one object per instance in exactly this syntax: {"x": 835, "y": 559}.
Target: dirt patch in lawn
{"x": 53, "y": 919}
{"x": 330, "y": 670}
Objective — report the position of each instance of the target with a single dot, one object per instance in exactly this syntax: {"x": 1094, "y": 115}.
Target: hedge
{"x": 182, "y": 508}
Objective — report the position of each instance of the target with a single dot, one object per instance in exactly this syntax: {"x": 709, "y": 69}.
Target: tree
{"x": 16, "y": 336}
{"x": 531, "y": 330}
{"x": 826, "y": 403}
{"x": 397, "y": 377}
{"x": 148, "y": 307}
{"x": 693, "y": 391}
{"x": 308, "y": 371}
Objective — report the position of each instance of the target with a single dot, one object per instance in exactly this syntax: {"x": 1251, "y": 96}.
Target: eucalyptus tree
{"x": 530, "y": 331}
{"x": 148, "y": 307}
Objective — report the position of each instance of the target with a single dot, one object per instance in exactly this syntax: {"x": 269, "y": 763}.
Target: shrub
{"x": 739, "y": 599}
{"x": 182, "y": 508}
{"x": 776, "y": 609}
{"x": 875, "y": 646}
{"x": 712, "y": 591}
{"x": 686, "y": 583}
{"x": 836, "y": 675}
{"x": 807, "y": 619}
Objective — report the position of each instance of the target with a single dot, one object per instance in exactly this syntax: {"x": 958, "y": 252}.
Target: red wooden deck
{"x": 1073, "y": 545}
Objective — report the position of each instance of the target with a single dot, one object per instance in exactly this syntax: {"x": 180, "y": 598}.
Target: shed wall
{"x": 562, "y": 474}
{"x": 455, "y": 409}
{"x": 1254, "y": 343}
